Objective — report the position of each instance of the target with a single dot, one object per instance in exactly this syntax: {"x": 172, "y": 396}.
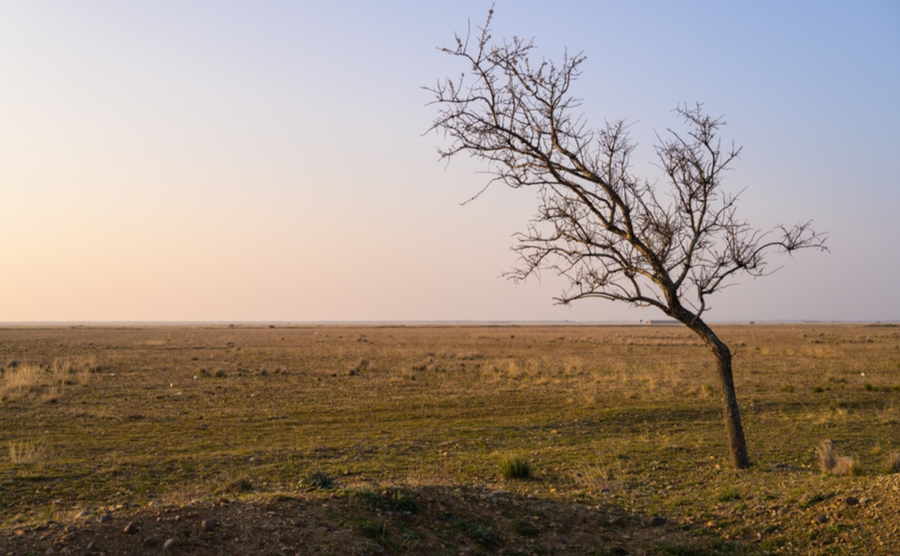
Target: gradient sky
{"x": 266, "y": 161}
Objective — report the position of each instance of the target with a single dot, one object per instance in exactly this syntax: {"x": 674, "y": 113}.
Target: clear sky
{"x": 265, "y": 161}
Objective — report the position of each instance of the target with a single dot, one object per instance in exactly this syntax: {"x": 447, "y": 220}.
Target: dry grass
{"x": 47, "y": 384}
{"x": 598, "y": 478}
{"x": 609, "y": 416}
{"x": 831, "y": 462}
{"x": 846, "y": 466}
{"x": 25, "y": 452}
{"x": 20, "y": 381}
{"x": 827, "y": 456}
{"x": 893, "y": 462}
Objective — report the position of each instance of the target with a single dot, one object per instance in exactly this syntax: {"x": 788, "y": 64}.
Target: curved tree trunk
{"x": 736, "y": 443}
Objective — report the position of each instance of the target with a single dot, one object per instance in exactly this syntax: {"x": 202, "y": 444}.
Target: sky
{"x": 269, "y": 161}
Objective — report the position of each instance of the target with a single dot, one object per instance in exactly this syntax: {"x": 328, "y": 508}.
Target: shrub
{"x": 514, "y": 467}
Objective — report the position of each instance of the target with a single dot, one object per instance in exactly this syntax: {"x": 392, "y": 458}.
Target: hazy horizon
{"x": 265, "y": 162}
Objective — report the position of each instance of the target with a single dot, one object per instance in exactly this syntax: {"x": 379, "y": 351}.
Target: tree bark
{"x": 736, "y": 444}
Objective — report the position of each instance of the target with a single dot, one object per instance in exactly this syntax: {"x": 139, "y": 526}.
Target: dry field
{"x": 396, "y": 440}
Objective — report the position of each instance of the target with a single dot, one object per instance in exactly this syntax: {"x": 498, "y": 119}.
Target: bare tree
{"x": 614, "y": 236}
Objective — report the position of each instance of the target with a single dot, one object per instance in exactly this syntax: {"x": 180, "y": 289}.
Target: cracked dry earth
{"x": 446, "y": 520}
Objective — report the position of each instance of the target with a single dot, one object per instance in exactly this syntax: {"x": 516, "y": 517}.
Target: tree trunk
{"x": 736, "y": 444}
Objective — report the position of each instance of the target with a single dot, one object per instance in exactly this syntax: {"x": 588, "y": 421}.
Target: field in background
{"x": 622, "y": 421}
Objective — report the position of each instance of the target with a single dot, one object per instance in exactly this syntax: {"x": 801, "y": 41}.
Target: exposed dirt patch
{"x": 435, "y": 520}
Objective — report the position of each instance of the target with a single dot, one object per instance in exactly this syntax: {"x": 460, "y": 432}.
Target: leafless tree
{"x": 614, "y": 236}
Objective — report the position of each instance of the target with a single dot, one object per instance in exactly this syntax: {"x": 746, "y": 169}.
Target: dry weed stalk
{"x": 25, "y": 452}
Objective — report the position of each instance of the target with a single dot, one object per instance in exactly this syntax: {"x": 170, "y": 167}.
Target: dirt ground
{"x": 444, "y": 520}
{"x": 431, "y": 521}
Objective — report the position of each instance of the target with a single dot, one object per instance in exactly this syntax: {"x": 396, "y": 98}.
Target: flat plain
{"x": 393, "y": 439}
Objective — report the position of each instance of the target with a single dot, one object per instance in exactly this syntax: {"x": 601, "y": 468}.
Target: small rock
{"x": 84, "y": 513}
{"x": 658, "y": 522}
{"x": 208, "y": 524}
{"x": 130, "y": 529}
{"x": 169, "y": 544}
{"x": 851, "y": 501}
{"x": 106, "y": 518}
{"x": 151, "y": 542}
{"x": 822, "y": 518}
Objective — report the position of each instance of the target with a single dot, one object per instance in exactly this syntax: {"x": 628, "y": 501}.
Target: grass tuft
{"x": 239, "y": 486}
{"x": 375, "y": 530}
{"x": 19, "y": 381}
{"x": 846, "y": 466}
{"x": 893, "y": 462}
{"x": 317, "y": 480}
{"x": 485, "y": 534}
{"x": 728, "y": 494}
{"x": 827, "y": 456}
{"x": 831, "y": 462}
{"x": 25, "y": 452}
{"x": 514, "y": 467}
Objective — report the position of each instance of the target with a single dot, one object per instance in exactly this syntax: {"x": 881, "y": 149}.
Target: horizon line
{"x": 667, "y": 322}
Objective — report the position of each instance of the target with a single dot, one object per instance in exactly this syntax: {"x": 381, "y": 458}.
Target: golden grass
{"x": 46, "y": 383}
{"x": 20, "y": 381}
{"x": 25, "y": 452}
